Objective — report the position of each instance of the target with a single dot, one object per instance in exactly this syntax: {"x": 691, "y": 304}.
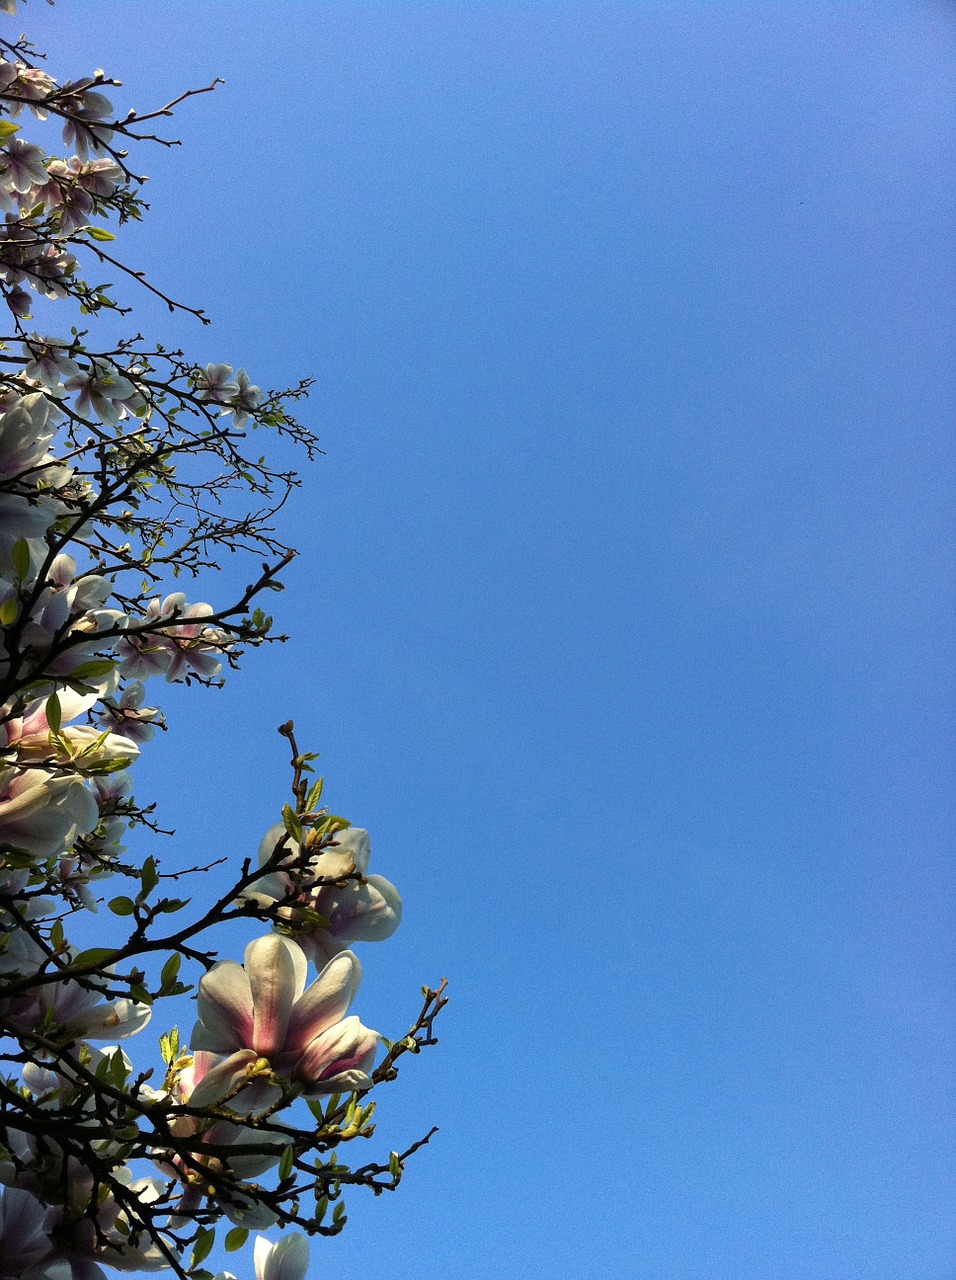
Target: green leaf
{"x": 7, "y": 129}
{"x": 53, "y": 717}
{"x": 170, "y": 970}
{"x": 8, "y": 612}
{"x": 99, "y": 233}
{"x": 236, "y": 1238}
{"x": 394, "y": 1165}
{"x": 205, "y": 1238}
{"x": 95, "y": 957}
{"x": 314, "y": 796}
{"x": 148, "y": 877}
{"x": 168, "y": 905}
{"x": 285, "y": 1163}
{"x": 122, "y": 906}
{"x": 117, "y": 1069}
{"x": 338, "y": 1213}
{"x": 169, "y": 1045}
{"x": 292, "y": 823}
{"x": 21, "y": 558}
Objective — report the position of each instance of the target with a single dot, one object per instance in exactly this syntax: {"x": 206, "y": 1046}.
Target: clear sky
{"x": 624, "y": 613}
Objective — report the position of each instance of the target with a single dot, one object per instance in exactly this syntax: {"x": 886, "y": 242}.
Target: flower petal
{"x": 325, "y": 1002}
{"x": 369, "y": 912}
{"x": 271, "y": 967}
{"x": 222, "y": 1079}
{"x": 225, "y": 1009}
{"x": 339, "y": 1059}
{"x": 286, "y": 1260}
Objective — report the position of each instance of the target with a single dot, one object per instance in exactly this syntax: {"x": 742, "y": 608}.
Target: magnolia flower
{"x": 240, "y": 1083}
{"x": 42, "y": 812}
{"x": 28, "y": 518}
{"x": 215, "y": 383}
{"x": 264, "y": 1007}
{"x": 287, "y": 1259}
{"x": 79, "y": 1014}
{"x": 23, "y": 166}
{"x": 102, "y": 392}
{"x": 25, "y": 433}
{"x": 20, "y": 303}
{"x": 128, "y": 715}
{"x": 47, "y": 361}
{"x": 246, "y": 400}
{"x": 366, "y": 911}
{"x": 24, "y": 1239}
{"x": 81, "y": 128}
{"x": 82, "y": 744}
{"x": 187, "y": 643}
{"x": 29, "y": 83}
{"x": 84, "y": 1240}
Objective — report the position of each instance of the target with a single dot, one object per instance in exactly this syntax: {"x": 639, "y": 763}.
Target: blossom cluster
{"x": 98, "y": 1167}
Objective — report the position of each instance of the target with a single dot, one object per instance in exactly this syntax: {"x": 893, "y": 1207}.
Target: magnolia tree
{"x": 123, "y": 466}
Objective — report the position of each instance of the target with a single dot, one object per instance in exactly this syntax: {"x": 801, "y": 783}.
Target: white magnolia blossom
{"x": 43, "y": 812}
{"x": 287, "y": 1259}
{"x": 187, "y": 644}
{"x": 48, "y": 363}
{"x": 369, "y": 910}
{"x": 265, "y": 1008}
{"x": 25, "y": 1249}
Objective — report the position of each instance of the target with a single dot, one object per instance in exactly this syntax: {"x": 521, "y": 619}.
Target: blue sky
{"x": 623, "y": 617}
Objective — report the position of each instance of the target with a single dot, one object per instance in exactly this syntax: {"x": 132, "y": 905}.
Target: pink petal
{"x": 271, "y": 967}
{"x": 325, "y": 1002}
{"x": 222, "y": 1079}
{"x": 225, "y": 1009}
{"x": 339, "y": 1058}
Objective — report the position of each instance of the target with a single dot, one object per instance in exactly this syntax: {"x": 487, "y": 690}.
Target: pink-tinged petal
{"x": 224, "y": 1007}
{"x": 203, "y": 1062}
{"x": 340, "y": 1058}
{"x": 364, "y": 913}
{"x": 219, "y": 1081}
{"x": 271, "y": 969}
{"x": 325, "y": 1002}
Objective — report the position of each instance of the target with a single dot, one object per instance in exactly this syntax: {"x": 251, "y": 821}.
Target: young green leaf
{"x": 53, "y": 713}
{"x": 21, "y": 559}
{"x": 170, "y": 970}
{"x": 205, "y": 1239}
{"x": 292, "y": 823}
